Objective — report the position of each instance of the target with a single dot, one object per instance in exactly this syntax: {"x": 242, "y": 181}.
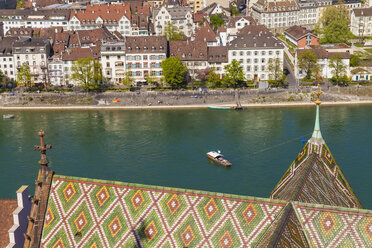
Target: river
{"x": 167, "y": 147}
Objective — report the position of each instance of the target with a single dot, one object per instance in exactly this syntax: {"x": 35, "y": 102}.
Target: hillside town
{"x": 176, "y": 43}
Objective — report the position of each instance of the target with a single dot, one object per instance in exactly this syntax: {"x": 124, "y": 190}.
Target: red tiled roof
{"x": 297, "y": 32}
{"x": 188, "y": 50}
{"x": 81, "y": 53}
{"x": 6, "y": 216}
{"x": 108, "y": 12}
{"x": 205, "y": 33}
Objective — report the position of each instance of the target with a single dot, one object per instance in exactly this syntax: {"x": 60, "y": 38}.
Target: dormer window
{"x": 137, "y": 48}
{"x": 129, "y": 48}
{"x": 161, "y": 48}
{"x": 145, "y": 48}
{"x": 153, "y": 48}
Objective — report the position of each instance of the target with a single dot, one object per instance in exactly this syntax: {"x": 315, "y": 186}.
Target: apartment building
{"x": 115, "y": 17}
{"x": 35, "y": 53}
{"x": 276, "y": 15}
{"x": 194, "y": 54}
{"x": 113, "y": 61}
{"x": 181, "y": 17}
{"x": 254, "y": 49}
{"x": 144, "y": 55}
{"x": 56, "y": 74}
{"x": 361, "y": 22}
{"x": 218, "y": 57}
{"x": 6, "y": 57}
{"x": 33, "y": 18}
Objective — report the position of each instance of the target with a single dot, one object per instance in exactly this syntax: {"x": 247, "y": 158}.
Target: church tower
{"x": 314, "y": 176}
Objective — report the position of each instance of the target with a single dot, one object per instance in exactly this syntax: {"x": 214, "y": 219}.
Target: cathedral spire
{"x": 317, "y": 138}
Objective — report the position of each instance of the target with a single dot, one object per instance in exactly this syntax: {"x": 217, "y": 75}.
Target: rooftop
{"x": 6, "y": 216}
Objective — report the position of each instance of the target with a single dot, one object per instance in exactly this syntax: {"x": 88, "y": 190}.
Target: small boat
{"x": 218, "y": 158}
{"x": 220, "y": 108}
{"x": 8, "y": 116}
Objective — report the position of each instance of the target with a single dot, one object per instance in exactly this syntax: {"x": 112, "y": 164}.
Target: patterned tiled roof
{"x": 83, "y": 212}
{"x": 315, "y": 177}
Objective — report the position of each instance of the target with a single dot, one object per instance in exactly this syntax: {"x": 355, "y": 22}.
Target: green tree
{"x": 87, "y": 72}
{"x": 308, "y": 62}
{"x": 128, "y": 79}
{"x": 234, "y": 11}
{"x": 20, "y": 4}
{"x": 275, "y": 69}
{"x": 24, "y": 75}
{"x": 174, "y": 72}
{"x": 212, "y": 78}
{"x": 354, "y": 60}
{"x": 334, "y": 25}
{"x": 234, "y": 74}
{"x": 172, "y": 32}
{"x": 216, "y": 21}
{"x": 339, "y": 68}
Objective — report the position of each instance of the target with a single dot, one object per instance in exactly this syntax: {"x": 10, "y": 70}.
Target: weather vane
{"x": 318, "y": 92}
{"x": 42, "y": 148}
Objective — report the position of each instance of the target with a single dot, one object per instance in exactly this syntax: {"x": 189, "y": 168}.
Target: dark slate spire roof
{"x": 315, "y": 177}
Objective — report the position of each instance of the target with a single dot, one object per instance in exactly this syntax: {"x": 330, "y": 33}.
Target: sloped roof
{"x": 84, "y": 211}
{"x": 363, "y": 12}
{"x": 298, "y": 32}
{"x": 107, "y": 12}
{"x": 206, "y": 33}
{"x": 188, "y": 50}
{"x": 7, "y": 206}
{"x": 315, "y": 177}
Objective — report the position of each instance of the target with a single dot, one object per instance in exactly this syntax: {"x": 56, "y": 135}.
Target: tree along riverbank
{"x": 197, "y": 98}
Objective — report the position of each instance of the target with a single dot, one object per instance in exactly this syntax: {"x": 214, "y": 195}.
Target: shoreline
{"x": 168, "y": 107}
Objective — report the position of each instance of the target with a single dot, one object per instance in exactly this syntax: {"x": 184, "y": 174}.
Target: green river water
{"x": 167, "y": 147}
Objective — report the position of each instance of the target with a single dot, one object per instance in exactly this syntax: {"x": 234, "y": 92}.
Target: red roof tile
{"x": 6, "y": 216}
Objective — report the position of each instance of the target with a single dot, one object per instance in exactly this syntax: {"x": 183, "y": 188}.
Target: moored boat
{"x": 218, "y": 158}
{"x": 8, "y": 116}
{"x": 220, "y": 108}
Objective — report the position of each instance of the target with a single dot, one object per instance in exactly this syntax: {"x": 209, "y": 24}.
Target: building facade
{"x": 181, "y": 17}
{"x": 28, "y": 18}
{"x": 33, "y": 52}
{"x": 254, "y": 51}
{"x": 361, "y": 22}
{"x": 113, "y": 61}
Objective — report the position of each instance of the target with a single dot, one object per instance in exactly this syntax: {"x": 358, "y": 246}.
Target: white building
{"x": 115, "y": 17}
{"x": 361, "y": 22}
{"x": 236, "y": 23}
{"x": 323, "y": 57}
{"x": 56, "y": 75}
{"x": 6, "y": 57}
{"x": 113, "y": 61}
{"x": 35, "y": 53}
{"x": 253, "y": 51}
{"x": 181, "y": 17}
{"x": 276, "y": 15}
{"x": 28, "y": 18}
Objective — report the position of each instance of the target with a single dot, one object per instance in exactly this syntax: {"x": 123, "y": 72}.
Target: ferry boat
{"x": 218, "y": 158}
{"x": 8, "y": 116}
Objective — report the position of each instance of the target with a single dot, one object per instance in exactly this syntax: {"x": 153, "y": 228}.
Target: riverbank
{"x": 196, "y": 106}
{"x": 179, "y": 99}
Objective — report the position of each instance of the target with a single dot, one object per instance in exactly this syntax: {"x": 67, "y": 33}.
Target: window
{"x": 256, "y": 53}
{"x": 263, "y": 53}
{"x": 255, "y": 68}
{"x": 255, "y": 60}
{"x": 270, "y": 52}
{"x": 263, "y": 68}
{"x": 277, "y": 52}
{"x": 234, "y": 53}
{"x": 118, "y": 56}
{"x": 248, "y": 60}
{"x": 241, "y": 61}
{"x": 107, "y": 64}
{"x": 248, "y": 68}
{"x": 262, "y": 60}
{"x": 144, "y": 57}
{"x": 241, "y": 53}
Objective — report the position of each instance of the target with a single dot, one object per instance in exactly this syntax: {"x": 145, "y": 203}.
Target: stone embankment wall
{"x": 169, "y": 98}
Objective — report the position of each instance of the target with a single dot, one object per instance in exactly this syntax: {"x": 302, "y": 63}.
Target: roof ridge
{"x": 332, "y": 208}
{"x": 162, "y": 188}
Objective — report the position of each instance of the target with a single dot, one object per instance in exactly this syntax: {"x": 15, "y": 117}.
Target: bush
{"x": 354, "y": 60}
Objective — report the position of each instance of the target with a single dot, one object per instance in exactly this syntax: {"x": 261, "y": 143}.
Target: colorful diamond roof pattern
{"x": 152, "y": 216}
{"x": 315, "y": 177}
